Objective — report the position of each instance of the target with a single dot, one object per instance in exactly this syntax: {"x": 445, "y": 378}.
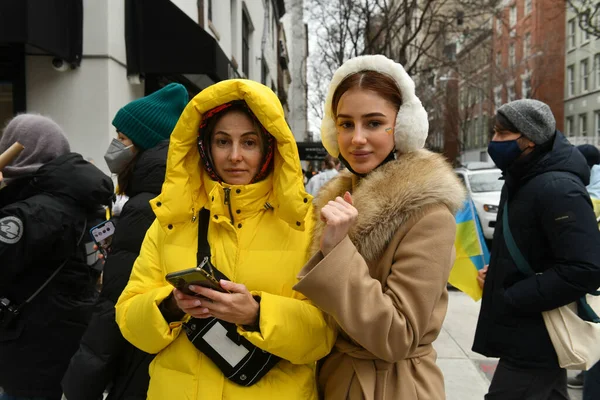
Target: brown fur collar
{"x": 390, "y": 196}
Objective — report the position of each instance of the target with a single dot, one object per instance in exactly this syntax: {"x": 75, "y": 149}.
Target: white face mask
{"x": 118, "y": 156}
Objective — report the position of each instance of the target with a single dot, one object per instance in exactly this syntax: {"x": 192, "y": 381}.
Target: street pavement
{"x": 467, "y": 374}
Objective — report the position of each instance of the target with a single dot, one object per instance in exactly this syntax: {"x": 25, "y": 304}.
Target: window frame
{"x": 584, "y": 72}
{"x": 596, "y": 126}
{"x": 513, "y": 16}
{"x": 597, "y": 69}
{"x": 569, "y": 125}
{"x": 583, "y": 132}
{"x": 512, "y": 55}
{"x": 511, "y": 95}
{"x": 571, "y": 34}
{"x": 527, "y": 45}
{"x": 528, "y": 7}
{"x": 571, "y": 80}
{"x": 245, "y": 44}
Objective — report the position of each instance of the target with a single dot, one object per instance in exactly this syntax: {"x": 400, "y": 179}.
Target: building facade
{"x": 81, "y": 60}
{"x": 529, "y": 55}
{"x": 582, "y": 84}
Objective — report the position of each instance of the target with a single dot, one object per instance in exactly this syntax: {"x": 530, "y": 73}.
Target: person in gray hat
{"x": 552, "y": 222}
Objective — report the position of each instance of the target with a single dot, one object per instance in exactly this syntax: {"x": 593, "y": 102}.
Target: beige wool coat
{"x": 384, "y": 285}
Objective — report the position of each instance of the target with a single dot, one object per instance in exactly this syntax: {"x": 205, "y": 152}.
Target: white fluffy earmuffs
{"x": 412, "y": 124}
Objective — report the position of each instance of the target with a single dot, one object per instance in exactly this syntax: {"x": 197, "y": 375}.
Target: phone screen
{"x": 102, "y": 235}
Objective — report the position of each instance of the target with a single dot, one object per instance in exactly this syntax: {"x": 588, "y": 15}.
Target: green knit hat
{"x": 151, "y": 119}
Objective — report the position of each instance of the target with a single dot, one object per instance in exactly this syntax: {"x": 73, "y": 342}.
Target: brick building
{"x": 529, "y": 53}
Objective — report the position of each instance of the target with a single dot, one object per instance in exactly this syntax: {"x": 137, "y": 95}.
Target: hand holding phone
{"x": 194, "y": 276}
{"x": 102, "y": 235}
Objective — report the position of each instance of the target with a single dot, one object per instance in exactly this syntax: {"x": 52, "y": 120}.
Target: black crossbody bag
{"x": 240, "y": 361}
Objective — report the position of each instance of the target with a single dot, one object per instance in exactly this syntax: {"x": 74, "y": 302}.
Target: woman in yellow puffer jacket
{"x": 232, "y": 153}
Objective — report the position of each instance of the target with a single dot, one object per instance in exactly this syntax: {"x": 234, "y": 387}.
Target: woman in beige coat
{"x": 384, "y": 242}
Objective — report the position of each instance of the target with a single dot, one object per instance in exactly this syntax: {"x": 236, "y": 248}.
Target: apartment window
{"x": 245, "y": 45}
{"x": 527, "y": 45}
{"x": 596, "y": 127}
{"x": 570, "y": 126}
{"x": 485, "y": 128}
{"x": 585, "y": 75}
{"x": 585, "y": 36}
{"x": 498, "y": 59}
{"x": 571, "y": 80}
{"x": 526, "y": 87}
{"x": 571, "y": 33}
{"x": 597, "y": 69}
{"x": 264, "y": 72}
{"x": 476, "y": 138}
{"x": 528, "y": 7}
{"x": 513, "y": 16}
{"x": 583, "y": 125}
{"x": 511, "y": 92}
{"x": 498, "y": 26}
{"x": 512, "y": 57}
{"x": 498, "y": 96}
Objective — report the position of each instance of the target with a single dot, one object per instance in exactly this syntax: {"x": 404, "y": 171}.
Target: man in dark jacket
{"x": 552, "y": 221}
{"x": 51, "y": 199}
{"x": 105, "y": 358}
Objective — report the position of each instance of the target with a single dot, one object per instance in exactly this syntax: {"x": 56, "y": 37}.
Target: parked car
{"x": 484, "y": 185}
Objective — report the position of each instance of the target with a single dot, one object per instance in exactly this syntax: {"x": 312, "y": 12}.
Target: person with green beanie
{"x": 138, "y": 157}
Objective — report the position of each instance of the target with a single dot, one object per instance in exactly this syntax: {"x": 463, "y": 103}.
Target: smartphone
{"x": 194, "y": 276}
{"x": 102, "y": 235}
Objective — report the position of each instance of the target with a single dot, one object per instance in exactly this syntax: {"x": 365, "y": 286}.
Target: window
{"x": 526, "y": 87}
{"x": 498, "y": 26}
{"x": 585, "y": 36}
{"x": 513, "y": 16}
{"x": 585, "y": 78}
{"x": 571, "y": 34}
{"x": 499, "y": 59}
{"x": 264, "y": 72}
{"x": 597, "y": 69}
{"x": 596, "y": 127}
{"x": 498, "y": 96}
{"x": 583, "y": 125}
{"x": 528, "y": 7}
{"x": 245, "y": 45}
{"x": 527, "y": 45}
{"x": 511, "y": 92}
{"x": 569, "y": 126}
{"x": 477, "y": 130}
{"x": 512, "y": 57}
{"x": 571, "y": 80}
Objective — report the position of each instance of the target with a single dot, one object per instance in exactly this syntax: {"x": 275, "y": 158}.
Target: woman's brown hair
{"x": 125, "y": 176}
{"x": 382, "y": 84}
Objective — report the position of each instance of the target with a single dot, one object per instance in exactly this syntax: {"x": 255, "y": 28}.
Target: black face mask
{"x": 505, "y": 153}
{"x": 390, "y": 157}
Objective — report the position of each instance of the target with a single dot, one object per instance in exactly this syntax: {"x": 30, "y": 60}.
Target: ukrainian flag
{"x": 471, "y": 252}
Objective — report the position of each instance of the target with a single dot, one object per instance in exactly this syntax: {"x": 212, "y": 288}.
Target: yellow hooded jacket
{"x": 264, "y": 248}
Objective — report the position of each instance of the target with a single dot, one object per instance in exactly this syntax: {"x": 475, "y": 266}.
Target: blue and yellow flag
{"x": 471, "y": 252}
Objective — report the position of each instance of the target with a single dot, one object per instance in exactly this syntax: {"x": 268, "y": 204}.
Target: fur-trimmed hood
{"x": 390, "y": 196}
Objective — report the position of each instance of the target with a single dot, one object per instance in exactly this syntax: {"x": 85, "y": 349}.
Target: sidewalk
{"x": 467, "y": 374}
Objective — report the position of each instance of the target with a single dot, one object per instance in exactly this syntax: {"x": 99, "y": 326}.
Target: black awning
{"x": 54, "y": 26}
{"x": 162, "y": 39}
{"x": 311, "y": 151}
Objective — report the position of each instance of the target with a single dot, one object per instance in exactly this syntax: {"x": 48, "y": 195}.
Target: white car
{"x": 484, "y": 185}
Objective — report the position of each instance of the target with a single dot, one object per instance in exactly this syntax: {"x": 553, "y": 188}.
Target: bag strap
{"x": 522, "y": 264}
{"x": 203, "y": 247}
{"x": 60, "y": 267}
{"x": 584, "y": 310}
